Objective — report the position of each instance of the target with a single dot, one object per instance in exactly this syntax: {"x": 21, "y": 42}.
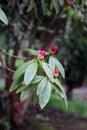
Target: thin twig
{"x": 5, "y": 66}
{"x": 24, "y": 58}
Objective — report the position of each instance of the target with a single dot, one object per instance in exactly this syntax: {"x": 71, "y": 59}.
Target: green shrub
{"x": 78, "y": 108}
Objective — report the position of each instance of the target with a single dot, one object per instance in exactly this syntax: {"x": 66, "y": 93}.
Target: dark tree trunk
{"x": 17, "y": 109}
{"x": 56, "y": 24}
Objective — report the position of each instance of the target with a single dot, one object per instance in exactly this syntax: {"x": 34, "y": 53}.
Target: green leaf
{"x": 60, "y": 68}
{"x": 61, "y": 2}
{"x": 3, "y": 17}
{"x": 45, "y": 95}
{"x": 58, "y": 91}
{"x": 35, "y": 10}
{"x": 37, "y": 79}
{"x": 16, "y": 83}
{"x": 21, "y": 69}
{"x": 70, "y": 11}
{"x": 57, "y": 82}
{"x": 58, "y": 65}
{"x": 30, "y": 72}
{"x": 33, "y": 52}
{"x": 41, "y": 86}
{"x": 52, "y": 4}
{"x": 83, "y": 2}
{"x": 52, "y": 63}
{"x": 31, "y": 5}
{"x": 21, "y": 88}
{"x": 25, "y": 94}
{"x": 43, "y": 6}
{"x": 56, "y": 6}
{"x": 34, "y": 98}
{"x": 48, "y": 71}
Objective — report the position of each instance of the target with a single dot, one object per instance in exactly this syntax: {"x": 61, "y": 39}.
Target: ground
{"x": 52, "y": 119}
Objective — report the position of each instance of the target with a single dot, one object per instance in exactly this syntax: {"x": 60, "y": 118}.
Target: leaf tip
{"x": 41, "y": 106}
{"x": 10, "y": 90}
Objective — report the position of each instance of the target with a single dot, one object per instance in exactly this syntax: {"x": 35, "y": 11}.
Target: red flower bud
{"x": 42, "y": 54}
{"x": 54, "y": 49}
{"x": 56, "y": 73}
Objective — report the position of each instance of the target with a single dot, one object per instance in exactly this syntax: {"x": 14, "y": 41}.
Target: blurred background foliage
{"x": 39, "y": 24}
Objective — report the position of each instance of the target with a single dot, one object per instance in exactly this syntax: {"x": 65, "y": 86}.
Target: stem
{"x": 24, "y": 58}
{"x": 5, "y": 66}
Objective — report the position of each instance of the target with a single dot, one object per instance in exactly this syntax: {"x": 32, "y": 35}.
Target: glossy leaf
{"x": 31, "y": 5}
{"x": 25, "y": 94}
{"x": 43, "y": 5}
{"x": 52, "y": 63}
{"x": 70, "y": 12}
{"x": 21, "y": 88}
{"x": 30, "y": 72}
{"x": 45, "y": 95}
{"x": 60, "y": 68}
{"x": 37, "y": 79}
{"x": 34, "y": 98}
{"x": 41, "y": 86}
{"x": 58, "y": 91}
{"x": 57, "y": 82}
{"x": 56, "y": 6}
{"x": 48, "y": 71}
{"x": 16, "y": 83}
{"x": 52, "y": 4}
{"x": 33, "y": 52}
{"x": 35, "y": 10}
{"x": 83, "y": 2}
{"x": 61, "y": 2}
{"x": 21, "y": 69}
{"x": 3, "y": 17}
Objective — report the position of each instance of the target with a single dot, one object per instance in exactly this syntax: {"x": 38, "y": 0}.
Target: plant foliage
{"x": 3, "y": 17}
{"x": 35, "y": 77}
